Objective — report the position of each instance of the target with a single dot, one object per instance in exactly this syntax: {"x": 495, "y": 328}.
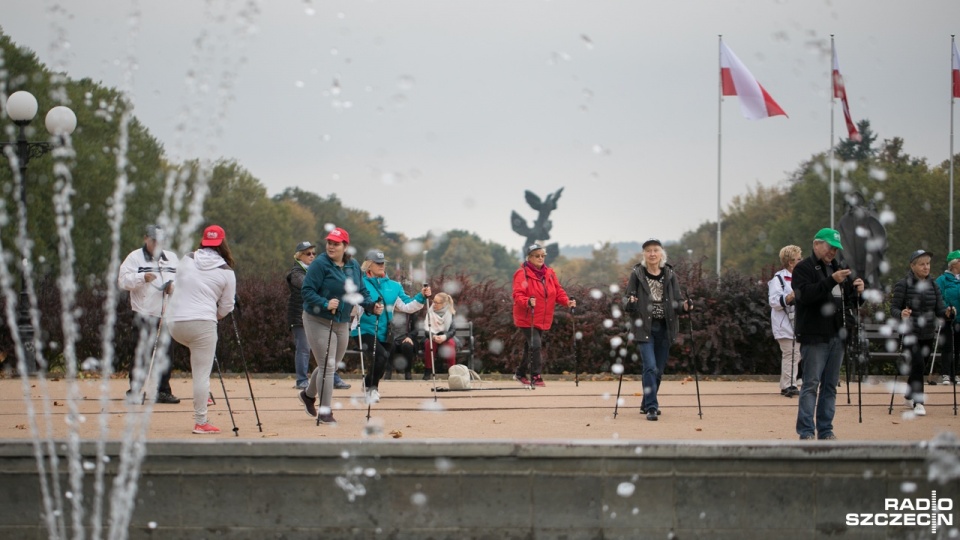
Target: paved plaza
{"x": 498, "y": 410}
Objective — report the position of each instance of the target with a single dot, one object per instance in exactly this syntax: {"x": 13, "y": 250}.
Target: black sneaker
{"x": 308, "y": 404}
{"x": 644, "y": 411}
{"x": 166, "y": 397}
{"x": 341, "y": 385}
{"x": 652, "y": 414}
{"x": 793, "y": 391}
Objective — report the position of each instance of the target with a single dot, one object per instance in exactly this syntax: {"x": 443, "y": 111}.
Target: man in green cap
{"x": 949, "y": 284}
{"x": 822, "y": 292}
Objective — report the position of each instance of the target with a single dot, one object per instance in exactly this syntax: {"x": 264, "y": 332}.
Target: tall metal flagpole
{"x": 833, "y": 101}
{"x": 953, "y": 47}
{"x": 719, "y": 140}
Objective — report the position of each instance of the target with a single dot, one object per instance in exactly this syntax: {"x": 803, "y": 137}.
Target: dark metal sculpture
{"x": 864, "y": 240}
{"x": 540, "y": 230}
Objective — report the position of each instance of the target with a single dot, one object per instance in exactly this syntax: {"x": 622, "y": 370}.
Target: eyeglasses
{"x": 310, "y": 254}
{"x": 378, "y": 264}
{"x": 539, "y": 255}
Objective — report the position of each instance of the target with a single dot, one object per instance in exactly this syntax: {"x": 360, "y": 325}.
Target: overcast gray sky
{"x": 437, "y": 114}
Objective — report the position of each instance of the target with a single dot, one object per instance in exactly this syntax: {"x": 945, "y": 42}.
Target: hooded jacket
{"x": 642, "y": 309}
{"x": 394, "y": 299}
{"x": 923, "y": 298}
{"x": 325, "y": 281}
{"x": 548, "y": 294}
{"x": 949, "y": 289}
{"x": 205, "y": 289}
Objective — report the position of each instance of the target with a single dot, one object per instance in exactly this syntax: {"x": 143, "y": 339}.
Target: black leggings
{"x": 532, "y": 350}
{"x": 377, "y": 365}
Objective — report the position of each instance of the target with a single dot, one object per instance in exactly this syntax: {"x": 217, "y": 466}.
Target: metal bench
{"x": 466, "y": 348}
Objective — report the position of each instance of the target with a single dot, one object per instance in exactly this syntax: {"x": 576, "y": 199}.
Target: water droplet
{"x": 908, "y": 487}
{"x": 625, "y": 489}
{"x": 405, "y": 83}
{"x": 152, "y": 525}
{"x": 616, "y": 368}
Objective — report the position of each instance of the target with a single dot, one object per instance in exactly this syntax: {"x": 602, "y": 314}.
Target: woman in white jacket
{"x": 782, "y": 309}
{"x": 206, "y": 286}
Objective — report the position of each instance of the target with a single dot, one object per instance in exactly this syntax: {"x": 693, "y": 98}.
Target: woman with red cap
{"x": 332, "y": 290}
{"x": 536, "y": 290}
{"x": 206, "y": 287}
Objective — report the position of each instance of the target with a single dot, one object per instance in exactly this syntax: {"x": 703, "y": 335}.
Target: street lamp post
{"x": 60, "y": 122}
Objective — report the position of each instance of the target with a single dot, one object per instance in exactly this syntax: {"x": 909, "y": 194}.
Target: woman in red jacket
{"x": 535, "y": 291}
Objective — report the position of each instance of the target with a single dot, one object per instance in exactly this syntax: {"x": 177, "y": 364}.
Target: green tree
{"x": 259, "y": 230}
{"x": 862, "y": 150}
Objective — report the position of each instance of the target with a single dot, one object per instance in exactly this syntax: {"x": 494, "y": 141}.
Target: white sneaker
{"x": 945, "y": 380}
{"x": 907, "y": 403}
{"x": 373, "y": 396}
{"x": 919, "y": 410}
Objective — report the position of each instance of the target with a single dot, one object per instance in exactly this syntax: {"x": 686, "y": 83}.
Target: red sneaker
{"x": 522, "y": 379}
{"x": 205, "y": 429}
{"x": 538, "y": 381}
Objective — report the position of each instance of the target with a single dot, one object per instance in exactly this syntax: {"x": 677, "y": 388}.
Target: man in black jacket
{"x": 823, "y": 290}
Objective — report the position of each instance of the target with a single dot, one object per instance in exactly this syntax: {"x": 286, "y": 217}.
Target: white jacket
{"x": 205, "y": 288}
{"x": 781, "y": 315}
{"x": 147, "y": 298}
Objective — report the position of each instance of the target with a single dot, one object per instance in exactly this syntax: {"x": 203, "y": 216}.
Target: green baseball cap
{"x": 955, "y": 254}
{"x": 830, "y": 236}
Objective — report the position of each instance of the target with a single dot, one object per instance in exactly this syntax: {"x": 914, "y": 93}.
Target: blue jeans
{"x": 821, "y": 371}
{"x": 654, "y": 355}
{"x": 301, "y": 358}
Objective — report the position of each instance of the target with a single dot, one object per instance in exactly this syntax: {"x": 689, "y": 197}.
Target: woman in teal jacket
{"x": 949, "y": 283}
{"x": 390, "y": 294}
{"x": 331, "y": 290}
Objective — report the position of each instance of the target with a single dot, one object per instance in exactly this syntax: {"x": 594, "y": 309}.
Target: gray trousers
{"x": 201, "y": 338}
{"x": 320, "y": 333}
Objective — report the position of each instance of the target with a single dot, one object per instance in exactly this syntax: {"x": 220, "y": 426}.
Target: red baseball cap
{"x": 339, "y": 235}
{"x": 213, "y": 236}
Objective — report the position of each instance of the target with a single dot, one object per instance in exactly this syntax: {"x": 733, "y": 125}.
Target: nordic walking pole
{"x": 236, "y": 332}
{"x": 896, "y": 372}
{"x": 363, "y": 372}
{"x": 433, "y": 350}
{"x": 326, "y": 362}
{"x": 933, "y": 357}
{"x": 236, "y": 430}
{"x": 373, "y": 370}
{"x": 616, "y": 404}
{"x": 576, "y": 346}
{"x": 163, "y": 309}
{"x": 696, "y": 378}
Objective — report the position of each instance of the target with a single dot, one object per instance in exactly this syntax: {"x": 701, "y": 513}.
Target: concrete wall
{"x": 400, "y": 490}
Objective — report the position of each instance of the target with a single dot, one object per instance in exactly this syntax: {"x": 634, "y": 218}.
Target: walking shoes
{"x": 205, "y": 429}
{"x": 166, "y": 397}
{"x": 308, "y": 404}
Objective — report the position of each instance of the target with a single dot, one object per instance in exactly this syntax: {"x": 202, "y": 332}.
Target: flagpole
{"x": 833, "y": 102}
{"x": 719, "y": 141}
{"x": 953, "y": 47}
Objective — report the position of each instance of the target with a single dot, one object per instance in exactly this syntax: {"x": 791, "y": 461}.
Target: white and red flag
{"x": 840, "y": 91}
{"x": 755, "y": 102}
{"x": 956, "y": 71}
